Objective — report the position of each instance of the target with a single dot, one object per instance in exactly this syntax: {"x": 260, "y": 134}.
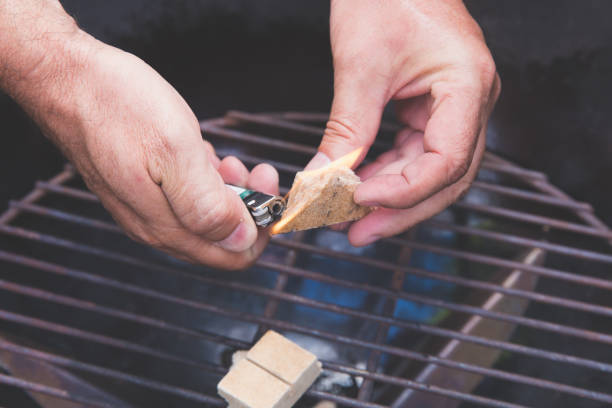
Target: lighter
{"x": 264, "y": 208}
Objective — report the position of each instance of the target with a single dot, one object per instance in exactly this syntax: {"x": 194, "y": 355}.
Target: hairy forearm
{"x": 38, "y": 50}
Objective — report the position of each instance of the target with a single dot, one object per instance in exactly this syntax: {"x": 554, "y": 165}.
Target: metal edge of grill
{"x": 447, "y": 373}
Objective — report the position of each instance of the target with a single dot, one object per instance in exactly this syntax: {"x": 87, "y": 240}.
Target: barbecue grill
{"x": 502, "y": 300}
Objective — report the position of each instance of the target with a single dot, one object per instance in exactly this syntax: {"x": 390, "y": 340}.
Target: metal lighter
{"x": 265, "y": 208}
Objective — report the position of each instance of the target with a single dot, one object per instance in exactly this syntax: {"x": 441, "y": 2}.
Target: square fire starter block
{"x": 247, "y": 385}
{"x": 285, "y": 359}
{"x": 274, "y": 374}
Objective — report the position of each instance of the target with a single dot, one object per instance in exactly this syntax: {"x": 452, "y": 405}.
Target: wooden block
{"x": 247, "y": 385}
{"x": 238, "y": 356}
{"x": 322, "y": 197}
{"x": 285, "y": 359}
{"x": 273, "y": 374}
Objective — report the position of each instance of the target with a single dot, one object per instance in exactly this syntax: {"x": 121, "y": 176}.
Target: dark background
{"x": 554, "y": 58}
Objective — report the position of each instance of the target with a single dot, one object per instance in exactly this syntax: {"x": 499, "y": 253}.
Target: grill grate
{"x": 503, "y": 300}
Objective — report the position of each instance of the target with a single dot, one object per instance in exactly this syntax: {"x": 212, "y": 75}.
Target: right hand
{"x": 430, "y": 57}
{"x": 138, "y": 147}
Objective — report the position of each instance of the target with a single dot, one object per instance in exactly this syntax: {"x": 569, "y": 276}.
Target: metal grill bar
{"x": 551, "y": 222}
{"x": 545, "y": 187}
{"x": 184, "y": 393}
{"x": 36, "y": 194}
{"x": 549, "y": 299}
{"x": 512, "y": 170}
{"x": 207, "y": 336}
{"x": 547, "y": 195}
{"x": 504, "y": 263}
{"x": 119, "y": 314}
{"x": 424, "y": 328}
{"x": 491, "y": 161}
{"x": 418, "y": 386}
{"x": 503, "y": 212}
{"x": 498, "y": 236}
{"x": 267, "y": 321}
{"x": 239, "y": 136}
{"x": 132, "y": 379}
{"x": 461, "y": 254}
{"x": 81, "y": 334}
{"x": 397, "y": 283}
{"x": 275, "y": 122}
{"x": 531, "y": 196}
{"x": 521, "y": 241}
{"x": 88, "y": 336}
{"x": 287, "y": 125}
{"x": 535, "y": 219}
{"x": 534, "y": 323}
{"x": 51, "y": 391}
{"x": 283, "y": 121}
{"x": 64, "y": 216}
{"x": 415, "y": 245}
{"x": 281, "y": 282}
{"x": 195, "y": 396}
{"x": 213, "y": 127}
{"x": 100, "y": 339}
{"x": 68, "y": 191}
{"x": 417, "y": 327}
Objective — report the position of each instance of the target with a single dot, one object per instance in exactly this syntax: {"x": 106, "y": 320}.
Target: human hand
{"x": 431, "y": 58}
{"x": 138, "y": 147}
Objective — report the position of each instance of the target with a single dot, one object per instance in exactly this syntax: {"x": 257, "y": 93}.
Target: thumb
{"x": 203, "y": 204}
{"x": 354, "y": 119}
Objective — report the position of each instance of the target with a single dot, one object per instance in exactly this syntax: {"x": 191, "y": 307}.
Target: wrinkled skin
{"x": 431, "y": 59}
{"x": 139, "y": 148}
{"x": 134, "y": 140}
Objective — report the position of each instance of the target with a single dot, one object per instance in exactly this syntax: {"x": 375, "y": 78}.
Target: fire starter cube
{"x": 274, "y": 374}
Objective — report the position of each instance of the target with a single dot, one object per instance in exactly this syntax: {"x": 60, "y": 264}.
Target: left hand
{"x": 431, "y": 58}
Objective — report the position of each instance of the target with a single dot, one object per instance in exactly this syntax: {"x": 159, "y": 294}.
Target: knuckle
{"x": 486, "y": 68}
{"x": 457, "y": 166}
{"x": 162, "y": 152}
{"x": 344, "y": 130}
{"x": 341, "y": 127}
{"x": 208, "y": 216}
{"x": 478, "y": 74}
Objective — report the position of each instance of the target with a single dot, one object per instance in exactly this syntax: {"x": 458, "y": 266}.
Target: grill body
{"x": 502, "y": 300}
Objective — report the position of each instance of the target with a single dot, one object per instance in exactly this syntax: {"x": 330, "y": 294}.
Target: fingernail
{"x": 319, "y": 160}
{"x": 238, "y": 240}
{"x": 371, "y": 239}
{"x": 367, "y": 202}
